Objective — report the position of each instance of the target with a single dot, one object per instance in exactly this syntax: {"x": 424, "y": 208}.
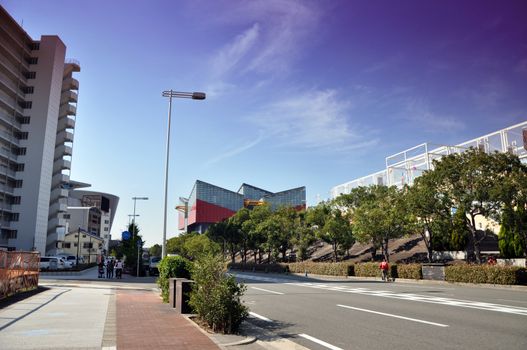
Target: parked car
{"x": 51, "y": 263}
{"x": 152, "y": 266}
{"x": 71, "y": 260}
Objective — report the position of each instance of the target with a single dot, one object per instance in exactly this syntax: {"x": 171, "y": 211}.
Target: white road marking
{"x": 321, "y": 342}
{"x": 263, "y": 318}
{"x": 392, "y": 315}
{"x": 267, "y": 290}
{"x": 509, "y": 309}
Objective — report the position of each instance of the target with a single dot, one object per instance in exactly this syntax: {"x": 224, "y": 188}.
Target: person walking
{"x": 384, "y": 266}
{"x": 109, "y": 269}
{"x": 101, "y": 269}
{"x": 119, "y": 269}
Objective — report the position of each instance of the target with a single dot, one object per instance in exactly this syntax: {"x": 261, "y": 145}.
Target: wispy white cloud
{"x": 387, "y": 63}
{"x": 274, "y": 33}
{"x": 315, "y": 120}
{"x": 234, "y": 151}
{"x": 419, "y": 113}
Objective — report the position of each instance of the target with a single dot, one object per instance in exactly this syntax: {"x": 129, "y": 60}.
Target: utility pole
{"x": 78, "y": 245}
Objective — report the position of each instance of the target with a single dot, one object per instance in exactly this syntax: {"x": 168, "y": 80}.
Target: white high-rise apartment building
{"x": 37, "y": 118}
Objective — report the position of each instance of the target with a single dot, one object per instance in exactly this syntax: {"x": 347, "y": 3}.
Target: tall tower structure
{"x": 37, "y": 107}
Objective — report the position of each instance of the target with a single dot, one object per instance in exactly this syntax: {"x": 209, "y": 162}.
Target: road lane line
{"x": 267, "y": 290}
{"x": 392, "y": 315}
{"x": 320, "y": 342}
{"x": 263, "y": 318}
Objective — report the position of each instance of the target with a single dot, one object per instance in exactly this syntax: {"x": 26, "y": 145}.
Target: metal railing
{"x": 19, "y": 272}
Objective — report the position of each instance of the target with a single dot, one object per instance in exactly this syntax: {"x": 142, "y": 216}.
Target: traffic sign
{"x": 125, "y": 235}
{"x": 139, "y": 243}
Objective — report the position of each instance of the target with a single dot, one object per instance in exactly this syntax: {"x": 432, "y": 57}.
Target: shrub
{"x": 216, "y": 297}
{"x": 319, "y": 268}
{"x": 371, "y": 269}
{"x": 171, "y": 267}
{"x": 409, "y": 271}
{"x": 276, "y": 268}
{"x": 485, "y": 274}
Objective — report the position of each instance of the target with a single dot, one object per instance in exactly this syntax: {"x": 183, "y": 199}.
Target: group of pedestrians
{"x": 110, "y": 266}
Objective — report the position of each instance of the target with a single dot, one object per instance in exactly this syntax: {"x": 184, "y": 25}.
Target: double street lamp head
{"x": 192, "y": 95}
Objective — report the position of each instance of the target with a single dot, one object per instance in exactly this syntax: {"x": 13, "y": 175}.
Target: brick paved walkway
{"x": 144, "y": 322}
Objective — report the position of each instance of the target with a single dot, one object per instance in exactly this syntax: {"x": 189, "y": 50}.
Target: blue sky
{"x": 312, "y": 93}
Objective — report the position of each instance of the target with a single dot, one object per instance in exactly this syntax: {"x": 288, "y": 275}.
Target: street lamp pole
{"x": 170, "y": 94}
{"x": 135, "y": 199}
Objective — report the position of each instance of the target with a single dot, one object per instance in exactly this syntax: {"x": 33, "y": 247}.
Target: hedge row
{"x": 330, "y": 269}
{"x": 410, "y": 271}
{"x": 486, "y": 274}
{"x": 456, "y": 273}
{"x": 277, "y": 268}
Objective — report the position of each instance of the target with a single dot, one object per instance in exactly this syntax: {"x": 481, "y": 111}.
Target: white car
{"x": 51, "y": 263}
{"x": 70, "y": 260}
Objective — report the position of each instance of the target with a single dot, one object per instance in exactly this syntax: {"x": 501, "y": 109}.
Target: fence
{"x": 18, "y": 272}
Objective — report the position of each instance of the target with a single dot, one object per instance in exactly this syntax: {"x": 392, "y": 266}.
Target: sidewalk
{"x": 144, "y": 322}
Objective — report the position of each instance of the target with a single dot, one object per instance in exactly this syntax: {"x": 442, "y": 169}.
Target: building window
{"x": 9, "y": 234}
{"x": 25, "y": 104}
{"x": 34, "y": 46}
{"x": 87, "y": 245}
{"x": 28, "y": 89}
{"x": 67, "y": 245}
{"x": 32, "y": 60}
{"x": 15, "y": 216}
{"x": 83, "y": 236}
{"x": 106, "y": 229}
{"x": 106, "y": 221}
{"x": 74, "y": 244}
{"x": 30, "y": 75}
{"x": 16, "y": 200}
{"x": 20, "y": 167}
{"x": 66, "y": 216}
{"x": 22, "y": 135}
{"x": 18, "y": 183}
{"x": 21, "y": 151}
{"x": 24, "y": 120}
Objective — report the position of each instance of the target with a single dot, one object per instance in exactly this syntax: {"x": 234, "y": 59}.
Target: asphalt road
{"x": 354, "y": 314}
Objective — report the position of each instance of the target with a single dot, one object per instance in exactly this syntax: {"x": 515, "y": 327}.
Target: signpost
{"x": 125, "y": 235}
{"x": 139, "y": 244}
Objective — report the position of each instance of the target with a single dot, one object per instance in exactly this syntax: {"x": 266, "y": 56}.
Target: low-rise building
{"x": 84, "y": 244}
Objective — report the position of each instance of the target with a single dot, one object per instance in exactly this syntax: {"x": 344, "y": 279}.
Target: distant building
{"x": 38, "y": 97}
{"x": 87, "y": 245}
{"x": 93, "y": 212}
{"x": 208, "y": 204}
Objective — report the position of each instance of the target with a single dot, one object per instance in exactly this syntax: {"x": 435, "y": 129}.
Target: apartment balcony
{"x": 58, "y": 193}
{"x": 67, "y": 109}
{"x": 64, "y": 136}
{"x": 57, "y": 207}
{"x": 72, "y": 64}
{"x": 62, "y": 150}
{"x": 61, "y": 164}
{"x": 59, "y": 179}
{"x": 7, "y": 189}
{"x": 65, "y": 123}
{"x": 70, "y": 84}
{"x": 69, "y": 96}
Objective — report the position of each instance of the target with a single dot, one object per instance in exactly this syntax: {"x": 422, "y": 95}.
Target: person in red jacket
{"x": 384, "y": 269}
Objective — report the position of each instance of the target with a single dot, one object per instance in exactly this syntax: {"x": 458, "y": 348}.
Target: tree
{"x": 257, "y": 237}
{"x": 237, "y": 221}
{"x": 155, "y": 250}
{"x": 337, "y": 232}
{"x": 176, "y": 245}
{"x": 382, "y": 217}
{"x": 471, "y": 180}
{"x": 303, "y": 237}
{"x": 129, "y": 249}
{"x": 197, "y": 245}
{"x": 428, "y": 210}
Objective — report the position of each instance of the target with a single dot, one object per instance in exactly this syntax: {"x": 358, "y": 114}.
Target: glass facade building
{"x": 208, "y": 204}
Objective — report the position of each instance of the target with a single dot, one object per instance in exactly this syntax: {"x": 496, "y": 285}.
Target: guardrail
{"x": 18, "y": 272}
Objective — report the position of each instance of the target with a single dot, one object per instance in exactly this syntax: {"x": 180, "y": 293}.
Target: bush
{"x": 216, "y": 297}
{"x": 319, "y": 268}
{"x": 409, "y": 271}
{"x": 276, "y": 268}
{"x": 371, "y": 269}
{"x": 485, "y": 274}
{"x": 171, "y": 267}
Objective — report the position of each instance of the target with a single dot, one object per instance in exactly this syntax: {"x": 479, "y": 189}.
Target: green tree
{"x": 382, "y": 217}
{"x": 198, "y": 245}
{"x": 129, "y": 250}
{"x": 471, "y": 180}
{"x": 257, "y": 237}
{"x": 337, "y": 232}
{"x": 176, "y": 245}
{"x": 303, "y": 237}
{"x": 155, "y": 250}
{"x": 428, "y": 211}
{"x": 237, "y": 221}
